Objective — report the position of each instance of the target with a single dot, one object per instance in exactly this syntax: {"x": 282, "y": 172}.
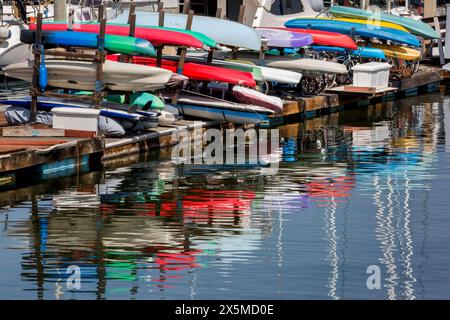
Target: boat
{"x": 362, "y": 52}
{"x": 119, "y": 44}
{"x": 398, "y": 52}
{"x": 415, "y": 27}
{"x": 376, "y": 23}
{"x": 298, "y": 64}
{"x": 249, "y": 96}
{"x": 205, "y": 107}
{"x": 326, "y": 38}
{"x": 359, "y": 29}
{"x": 81, "y": 75}
{"x": 107, "y": 109}
{"x": 277, "y": 38}
{"x": 222, "y": 31}
{"x": 197, "y": 71}
{"x": 157, "y": 36}
{"x": 12, "y": 50}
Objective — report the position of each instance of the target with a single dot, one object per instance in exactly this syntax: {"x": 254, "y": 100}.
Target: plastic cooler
{"x": 372, "y": 74}
{"x": 76, "y": 119}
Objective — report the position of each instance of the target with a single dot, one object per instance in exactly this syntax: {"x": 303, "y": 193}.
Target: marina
{"x": 98, "y": 97}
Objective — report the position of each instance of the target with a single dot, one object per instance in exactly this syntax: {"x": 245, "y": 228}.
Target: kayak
{"x": 326, "y": 38}
{"x": 376, "y": 23}
{"x": 225, "y": 32}
{"x": 107, "y": 109}
{"x": 363, "y": 52}
{"x": 416, "y": 27}
{"x": 113, "y": 43}
{"x": 398, "y": 52}
{"x": 200, "y": 106}
{"x": 350, "y": 28}
{"x": 196, "y": 71}
{"x": 304, "y": 65}
{"x": 249, "y": 96}
{"x": 277, "y": 38}
{"x": 157, "y": 36}
{"x": 81, "y": 75}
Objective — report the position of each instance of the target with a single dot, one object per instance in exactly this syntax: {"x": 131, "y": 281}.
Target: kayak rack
{"x": 96, "y": 56}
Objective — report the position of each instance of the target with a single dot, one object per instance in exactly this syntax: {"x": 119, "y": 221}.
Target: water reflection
{"x": 346, "y": 196}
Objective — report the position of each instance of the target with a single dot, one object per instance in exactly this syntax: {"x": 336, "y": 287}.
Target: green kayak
{"x": 418, "y": 28}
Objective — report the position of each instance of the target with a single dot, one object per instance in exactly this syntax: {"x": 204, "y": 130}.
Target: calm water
{"x": 364, "y": 187}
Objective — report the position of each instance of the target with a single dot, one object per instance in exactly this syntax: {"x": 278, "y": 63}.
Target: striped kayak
{"x": 197, "y": 71}
{"x": 350, "y": 28}
{"x": 416, "y": 27}
{"x": 363, "y": 52}
{"x": 113, "y": 43}
{"x": 376, "y": 23}
{"x": 398, "y": 52}
{"x": 156, "y": 35}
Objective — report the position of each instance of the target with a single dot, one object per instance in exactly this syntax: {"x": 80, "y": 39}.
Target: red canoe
{"x": 154, "y": 35}
{"x": 196, "y": 71}
{"x": 326, "y": 38}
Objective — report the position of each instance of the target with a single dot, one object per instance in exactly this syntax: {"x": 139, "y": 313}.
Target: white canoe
{"x": 81, "y": 75}
{"x": 299, "y": 64}
{"x": 225, "y": 32}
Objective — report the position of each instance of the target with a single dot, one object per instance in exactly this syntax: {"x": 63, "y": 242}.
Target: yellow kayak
{"x": 374, "y": 23}
{"x": 398, "y": 52}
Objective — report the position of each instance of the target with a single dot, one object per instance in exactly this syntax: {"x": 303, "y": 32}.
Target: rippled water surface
{"x": 363, "y": 188}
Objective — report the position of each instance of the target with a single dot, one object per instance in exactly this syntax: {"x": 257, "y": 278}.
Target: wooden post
{"x": 437, "y": 27}
{"x": 389, "y": 6}
{"x": 429, "y": 8}
{"x": 101, "y": 11}
{"x": 132, "y": 11}
{"x": 60, "y": 10}
{"x": 186, "y": 6}
{"x": 219, "y": 13}
{"x": 100, "y": 60}
{"x": 160, "y": 48}
{"x": 241, "y": 14}
{"x": 183, "y": 51}
{"x": 132, "y": 22}
{"x": 37, "y": 62}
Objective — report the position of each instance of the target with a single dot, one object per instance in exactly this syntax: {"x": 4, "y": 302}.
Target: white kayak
{"x": 81, "y": 75}
{"x": 225, "y": 32}
{"x": 305, "y": 65}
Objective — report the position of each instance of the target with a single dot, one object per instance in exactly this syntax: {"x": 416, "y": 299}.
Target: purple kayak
{"x": 284, "y": 39}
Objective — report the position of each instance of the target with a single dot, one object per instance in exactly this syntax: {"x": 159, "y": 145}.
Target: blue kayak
{"x": 355, "y": 29}
{"x": 363, "y": 52}
{"x": 108, "y": 109}
{"x": 113, "y": 43}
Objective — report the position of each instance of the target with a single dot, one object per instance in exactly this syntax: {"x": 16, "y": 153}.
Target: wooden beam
{"x": 132, "y": 11}
{"x": 437, "y": 27}
{"x": 219, "y": 13}
{"x": 183, "y": 51}
{"x": 429, "y": 8}
{"x": 36, "y": 63}
{"x": 241, "y": 14}
{"x": 186, "y": 6}
{"x": 160, "y": 48}
{"x": 101, "y": 57}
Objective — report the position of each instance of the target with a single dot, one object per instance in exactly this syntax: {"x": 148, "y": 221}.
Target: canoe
{"x": 249, "y": 96}
{"x": 223, "y": 31}
{"x": 277, "y": 38}
{"x": 415, "y": 27}
{"x": 398, "y": 52}
{"x": 377, "y": 23}
{"x": 260, "y": 74}
{"x": 304, "y": 65}
{"x": 326, "y": 38}
{"x": 113, "y": 43}
{"x": 204, "y": 107}
{"x": 81, "y": 75}
{"x": 363, "y": 52}
{"x": 157, "y": 36}
{"x": 107, "y": 109}
{"x": 350, "y": 28}
{"x": 197, "y": 71}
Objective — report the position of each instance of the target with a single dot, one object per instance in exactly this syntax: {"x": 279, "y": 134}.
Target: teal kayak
{"x": 416, "y": 27}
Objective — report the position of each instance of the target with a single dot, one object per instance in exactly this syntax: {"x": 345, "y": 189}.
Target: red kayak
{"x": 326, "y": 38}
{"x": 196, "y": 71}
{"x": 154, "y": 35}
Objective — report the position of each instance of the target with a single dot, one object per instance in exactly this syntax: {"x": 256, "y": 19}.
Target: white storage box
{"x": 372, "y": 74}
{"x": 76, "y": 119}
